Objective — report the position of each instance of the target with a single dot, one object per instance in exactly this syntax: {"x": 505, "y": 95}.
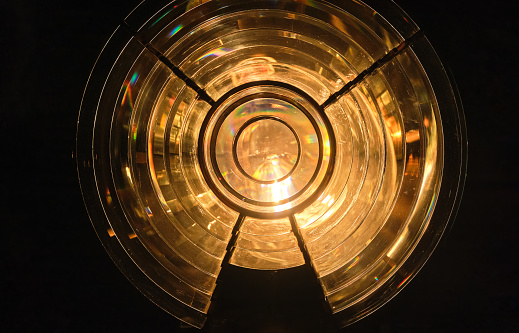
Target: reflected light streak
{"x": 398, "y": 243}
{"x": 162, "y": 199}
{"x": 211, "y": 224}
{"x": 412, "y": 136}
{"x": 431, "y": 206}
{"x": 163, "y": 121}
{"x": 160, "y": 18}
{"x": 352, "y": 264}
{"x": 148, "y": 211}
{"x": 175, "y": 30}
{"x": 134, "y": 78}
{"x": 215, "y": 53}
{"x": 134, "y": 132}
{"x": 108, "y": 197}
{"x": 396, "y": 135}
{"x": 403, "y": 282}
{"x": 310, "y": 138}
{"x": 128, "y": 90}
{"x": 127, "y": 94}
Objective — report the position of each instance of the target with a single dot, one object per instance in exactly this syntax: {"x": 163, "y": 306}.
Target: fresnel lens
{"x": 269, "y": 135}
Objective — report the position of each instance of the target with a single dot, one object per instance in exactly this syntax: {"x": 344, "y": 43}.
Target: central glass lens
{"x": 266, "y": 147}
{"x": 267, "y": 150}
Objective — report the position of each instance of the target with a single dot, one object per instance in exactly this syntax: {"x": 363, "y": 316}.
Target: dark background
{"x": 56, "y": 275}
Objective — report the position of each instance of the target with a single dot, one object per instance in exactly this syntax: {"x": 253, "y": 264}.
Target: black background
{"x": 56, "y": 275}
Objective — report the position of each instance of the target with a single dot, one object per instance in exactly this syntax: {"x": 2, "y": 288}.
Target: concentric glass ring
{"x": 266, "y": 149}
{"x": 254, "y": 105}
{"x": 270, "y": 135}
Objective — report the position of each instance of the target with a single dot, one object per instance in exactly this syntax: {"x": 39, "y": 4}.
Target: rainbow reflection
{"x": 128, "y": 91}
{"x": 134, "y": 131}
{"x": 311, "y": 3}
{"x": 310, "y": 138}
{"x": 353, "y": 263}
{"x": 226, "y": 175}
{"x": 175, "y": 30}
{"x": 431, "y": 206}
{"x": 108, "y": 197}
{"x": 160, "y": 18}
{"x": 403, "y": 282}
{"x": 134, "y": 78}
{"x": 215, "y": 53}
{"x": 127, "y": 94}
{"x": 148, "y": 211}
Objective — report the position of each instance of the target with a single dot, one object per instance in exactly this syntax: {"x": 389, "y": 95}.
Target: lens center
{"x": 267, "y": 149}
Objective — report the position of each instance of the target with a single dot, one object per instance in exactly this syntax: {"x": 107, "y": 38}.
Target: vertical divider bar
{"x": 300, "y": 241}
{"x": 228, "y": 254}
{"x": 234, "y": 237}
{"x": 375, "y": 66}
{"x": 308, "y": 264}
{"x": 177, "y": 71}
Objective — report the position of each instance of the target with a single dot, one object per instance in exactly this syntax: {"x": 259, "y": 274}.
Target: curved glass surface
{"x": 269, "y": 135}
